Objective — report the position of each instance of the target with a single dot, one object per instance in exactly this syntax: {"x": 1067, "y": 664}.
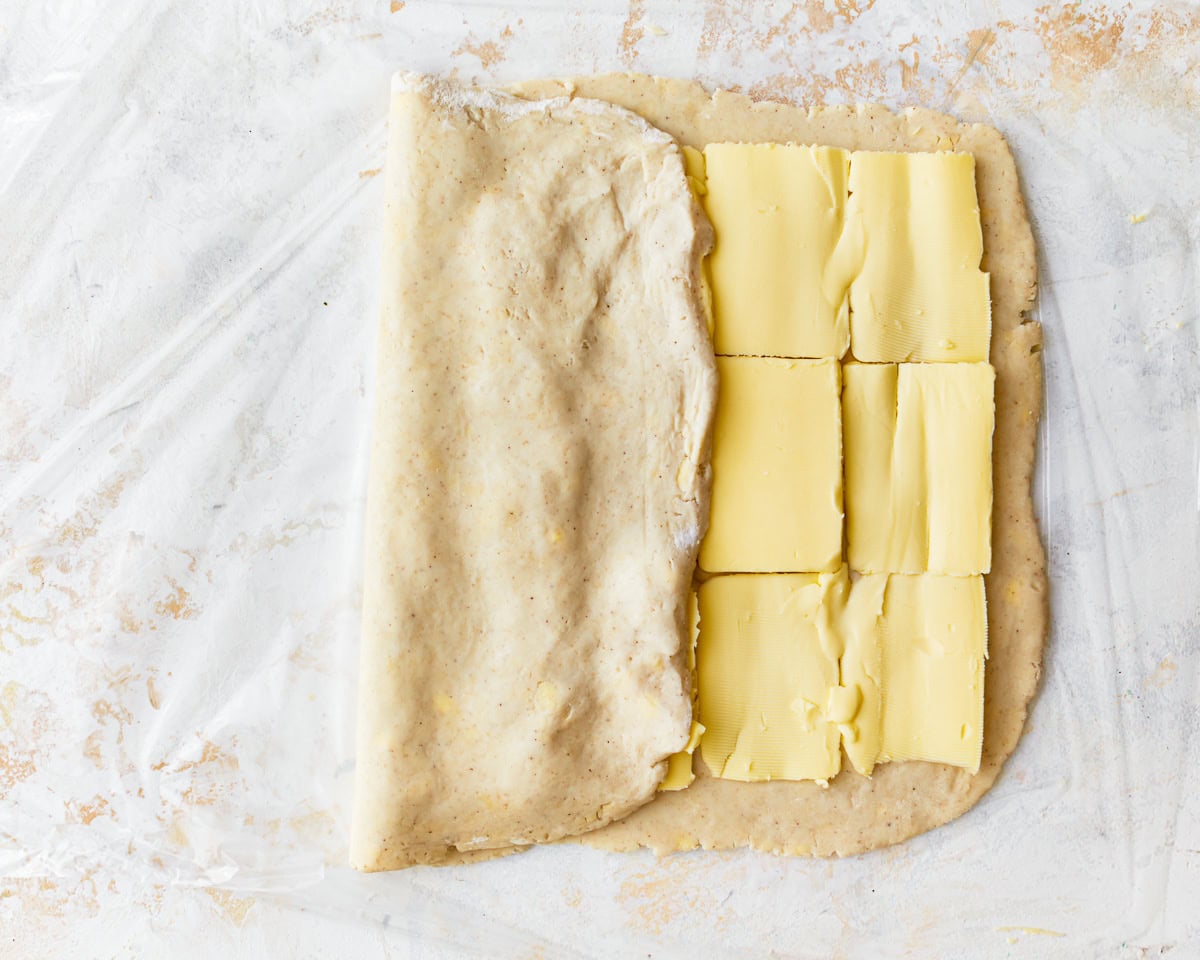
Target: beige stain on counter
{"x": 86, "y": 811}
{"x": 489, "y": 53}
{"x": 78, "y": 896}
{"x": 633, "y": 31}
{"x": 16, "y": 444}
{"x": 105, "y": 710}
{"x": 979, "y": 42}
{"x": 1032, "y": 931}
{"x": 93, "y": 509}
{"x": 210, "y": 778}
{"x": 24, "y": 724}
{"x": 210, "y": 756}
{"x": 1079, "y": 41}
{"x": 1163, "y": 674}
{"x": 1081, "y": 45}
{"x": 572, "y": 896}
{"x": 316, "y": 829}
{"x": 328, "y": 17}
{"x": 859, "y": 80}
{"x": 314, "y": 650}
{"x": 93, "y": 748}
{"x": 128, "y": 622}
{"x": 822, "y": 19}
{"x": 1084, "y": 45}
{"x": 674, "y": 889}
{"x": 73, "y": 897}
{"x": 233, "y": 907}
{"x": 178, "y": 605}
{"x": 910, "y": 68}
{"x": 262, "y": 541}
{"x": 729, "y": 25}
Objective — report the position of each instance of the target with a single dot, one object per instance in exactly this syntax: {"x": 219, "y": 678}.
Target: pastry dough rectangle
{"x": 900, "y": 799}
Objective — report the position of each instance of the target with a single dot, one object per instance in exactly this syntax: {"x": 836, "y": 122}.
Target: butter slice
{"x": 919, "y": 467}
{"x": 919, "y": 294}
{"x": 933, "y": 640}
{"x": 777, "y": 468}
{"x": 778, "y": 212}
{"x": 767, "y": 664}
{"x": 693, "y": 166}
{"x": 861, "y": 670}
{"x": 679, "y": 765}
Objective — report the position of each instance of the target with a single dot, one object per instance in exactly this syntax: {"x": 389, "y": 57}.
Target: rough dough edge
{"x": 857, "y": 814}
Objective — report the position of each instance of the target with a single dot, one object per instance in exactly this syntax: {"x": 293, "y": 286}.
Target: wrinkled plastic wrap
{"x": 191, "y": 226}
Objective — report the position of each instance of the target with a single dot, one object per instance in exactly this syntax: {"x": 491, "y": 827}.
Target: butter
{"x": 933, "y": 643}
{"x": 912, "y": 670}
{"x": 679, "y": 765}
{"x": 890, "y": 667}
{"x": 861, "y": 669}
{"x": 777, "y": 468}
{"x": 767, "y": 665}
{"x": 778, "y": 212}
{"x": 546, "y": 696}
{"x": 918, "y": 294}
{"x": 918, "y": 448}
{"x": 796, "y": 663}
{"x": 693, "y": 166}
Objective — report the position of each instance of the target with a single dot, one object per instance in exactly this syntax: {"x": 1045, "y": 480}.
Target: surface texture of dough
{"x": 857, "y": 813}
{"x": 544, "y": 393}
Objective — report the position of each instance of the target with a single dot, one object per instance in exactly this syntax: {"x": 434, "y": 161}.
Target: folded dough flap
{"x": 544, "y": 392}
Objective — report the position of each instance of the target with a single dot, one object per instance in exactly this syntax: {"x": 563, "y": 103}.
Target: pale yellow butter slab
{"x": 767, "y": 662}
{"x": 679, "y": 766}
{"x": 778, "y": 212}
{"x": 918, "y": 293}
{"x": 777, "y": 471}
{"x": 933, "y": 643}
{"x": 918, "y": 449}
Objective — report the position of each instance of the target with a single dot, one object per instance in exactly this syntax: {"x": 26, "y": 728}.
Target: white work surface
{"x": 191, "y": 233}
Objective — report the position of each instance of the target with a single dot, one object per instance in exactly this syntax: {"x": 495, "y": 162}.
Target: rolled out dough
{"x": 539, "y": 477}
{"x": 901, "y": 799}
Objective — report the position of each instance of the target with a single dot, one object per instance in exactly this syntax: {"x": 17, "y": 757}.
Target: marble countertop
{"x": 191, "y": 235}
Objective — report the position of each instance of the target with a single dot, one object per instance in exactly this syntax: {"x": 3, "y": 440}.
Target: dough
{"x": 544, "y": 392}
{"x": 901, "y": 799}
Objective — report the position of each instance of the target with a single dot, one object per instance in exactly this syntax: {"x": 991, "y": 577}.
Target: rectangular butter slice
{"x": 919, "y": 294}
{"x": 777, "y": 468}
{"x": 918, "y": 448}
{"x": 933, "y": 643}
{"x": 767, "y": 663}
{"x": 861, "y": 669}
{"x": 778, "y": 211}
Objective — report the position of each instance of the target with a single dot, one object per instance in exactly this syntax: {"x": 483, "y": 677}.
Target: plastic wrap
{"x": 188, "y": 296}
